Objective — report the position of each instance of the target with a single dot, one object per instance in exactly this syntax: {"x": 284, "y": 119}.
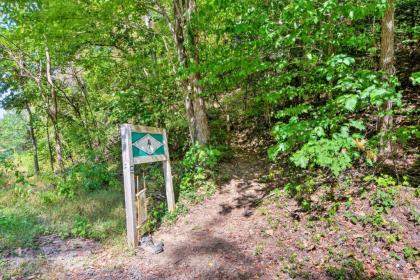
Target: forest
{"x": 293, "y": 134}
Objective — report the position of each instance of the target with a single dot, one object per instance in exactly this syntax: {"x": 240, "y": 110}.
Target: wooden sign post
{"x": 143, "y": 144}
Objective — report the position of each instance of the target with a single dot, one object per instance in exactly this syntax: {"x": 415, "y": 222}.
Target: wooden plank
{"x": 141, "y": 208}
{"x": 170, "y": 196}
{"x": 149, "y": 159}
{"x": 129, "y": 191}
{"x": 146, "y": 129}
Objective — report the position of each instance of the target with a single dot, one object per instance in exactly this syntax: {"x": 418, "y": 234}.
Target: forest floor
{"x": 244, "y": 231}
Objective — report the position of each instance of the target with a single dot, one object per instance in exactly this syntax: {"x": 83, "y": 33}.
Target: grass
{"x": 25, "y": 269}
{"x": 18, "y": 228}
{"x": 354, "y": 269}
{"x": 30, "y": 210}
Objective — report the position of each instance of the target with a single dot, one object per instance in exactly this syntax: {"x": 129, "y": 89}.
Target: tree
{"x": 387, "y": 65}
{"x": 32, "y": 135}
{"x": 186, "y": 38}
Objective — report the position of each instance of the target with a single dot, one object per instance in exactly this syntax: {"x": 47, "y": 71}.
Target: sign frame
{"x": 129, "y": 161}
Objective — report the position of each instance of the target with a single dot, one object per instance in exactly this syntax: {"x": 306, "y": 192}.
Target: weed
{"x": 81, "y": 227}
{"x": 317, "y": 237}
{"x": 383, "y": 200}
{"x": 25, "y": 270}
{"x": 18, "y": 228}
{"x": 268, "y": 178}
{"x": 394, "y": 255}
{"x": 197, "y": 180}
{"x": 292, "y": 258}
{"x": 48, "y": 198}
{"x": 47, "y": 212}
{"x": 343, "y": 238}
{"x": 410, "y": 253}
{"x": 301, "y": 192}
{"x": 353, "y": 269}
{"x": 351, "y": 217}
{"x": 388, "y": 238}
{"x": 414, "y": 216}
{"x": 259, "y": 249}
{"x": 333, "y": 210}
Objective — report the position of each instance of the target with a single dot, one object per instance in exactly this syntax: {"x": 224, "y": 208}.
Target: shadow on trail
{"x": 209, "y": 257}
{"x": 246, "y": 184}
{"x": 250, "y": 194}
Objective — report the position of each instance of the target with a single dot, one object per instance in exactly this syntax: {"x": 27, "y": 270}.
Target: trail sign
{"x": 142, "y": 144}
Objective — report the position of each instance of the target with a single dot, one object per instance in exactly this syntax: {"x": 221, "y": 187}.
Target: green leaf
{"x": 415, "y": 78}
{"x": 273, "y": 152}
{"x": 357, "y": 124}
{"x": 351, "y": 102}
{"x": 300, "y": 160}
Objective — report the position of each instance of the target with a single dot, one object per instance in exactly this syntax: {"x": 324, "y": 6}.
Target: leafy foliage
{"x": 13, "y": 132}
{"x": 18, "y": 228}
{"x": 198, "y": 171}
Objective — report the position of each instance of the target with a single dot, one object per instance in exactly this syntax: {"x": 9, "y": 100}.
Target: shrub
{"x": 18, "y": 228}
{"x": 198, "y": 170}
{"x": 88, "y": 176}
{"x": 329, "y": 133}
{"x": 81, "y": 227}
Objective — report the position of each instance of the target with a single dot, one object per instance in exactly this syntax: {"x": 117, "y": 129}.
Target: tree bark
{"x": 387, "y": 65}
{"x": 54, "y": 113}
{"x": 50, "y": 151}
{"x": 33, "y": 138}
{"x": 194, "y": 102}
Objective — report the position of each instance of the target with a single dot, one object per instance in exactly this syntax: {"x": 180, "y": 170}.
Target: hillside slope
{"x": 251, "y": 230}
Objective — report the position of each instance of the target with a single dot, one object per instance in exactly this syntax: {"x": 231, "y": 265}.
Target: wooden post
{"x": 129, "y": 191}
{"x": 143, "y": 154}
{"x": 170, "y": 196}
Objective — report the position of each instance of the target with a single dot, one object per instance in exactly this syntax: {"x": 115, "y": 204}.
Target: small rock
{"x": 269, "y": 232}
{"x": 376, "y": 250}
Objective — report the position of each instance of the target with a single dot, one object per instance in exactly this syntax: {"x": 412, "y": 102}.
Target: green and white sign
{"x": 142, "y": 144}
{"x": 147, "y": 144}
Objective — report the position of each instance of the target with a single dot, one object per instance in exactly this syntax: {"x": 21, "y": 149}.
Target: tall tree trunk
{"x": 194, "y": 102}
{"x": 58, "y": 146}
{"x": 387, "y": 64}
{"x": 202, "y": 131}
{"x": 33, "y": 138}
{"x": 50, "y": 151}
{"x": 54, "y": 113}
{"x": 201, "y": 126}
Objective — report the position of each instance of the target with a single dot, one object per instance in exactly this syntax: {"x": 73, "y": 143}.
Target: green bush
{"x": 198, "y": 170}
{"x": 330, "y": 133}
{"x": 383, "y": 198}
{"x": 81, "y": 227}
{"x": 88, "y": 176}
{"x": 18, "y": 228}
{"x": 353, "y": 269}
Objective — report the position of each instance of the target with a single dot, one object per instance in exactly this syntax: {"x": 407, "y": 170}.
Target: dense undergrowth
{"x": 89, "y": 203}
{"x": 34, "y": 206}
{"x": 358, "y": 227}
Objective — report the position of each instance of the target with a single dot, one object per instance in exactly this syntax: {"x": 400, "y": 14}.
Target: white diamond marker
{"x": 147, "y": 144}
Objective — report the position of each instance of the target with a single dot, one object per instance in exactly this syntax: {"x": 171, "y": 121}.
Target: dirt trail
{"x": 217, "y": 239}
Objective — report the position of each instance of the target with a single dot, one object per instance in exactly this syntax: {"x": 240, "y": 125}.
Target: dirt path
{"x": 215, "y": 240}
